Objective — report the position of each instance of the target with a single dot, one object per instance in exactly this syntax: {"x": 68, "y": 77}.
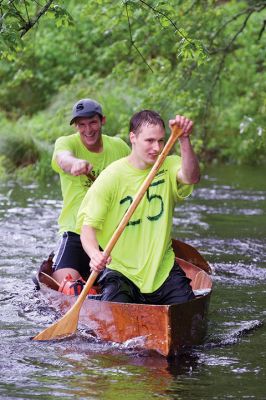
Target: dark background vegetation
{"x": 204, "y": 59}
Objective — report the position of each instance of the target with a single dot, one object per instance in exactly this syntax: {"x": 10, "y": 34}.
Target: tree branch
{"x": 249, "y": 11}
{"x": 262, "y": 30}
{"x": 18, "y": 14}
{"x": 168, "y": 19}
{"x": 26, "y": 9}
{"x": 34, "y": 20}
{"x": 132, "y": 41}
{"x": 228, "y": 47}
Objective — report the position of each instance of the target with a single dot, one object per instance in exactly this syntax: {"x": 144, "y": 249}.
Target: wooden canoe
{"x": 163, "y": 328}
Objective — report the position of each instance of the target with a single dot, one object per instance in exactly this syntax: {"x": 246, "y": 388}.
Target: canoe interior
{"x": 163, "y": 328}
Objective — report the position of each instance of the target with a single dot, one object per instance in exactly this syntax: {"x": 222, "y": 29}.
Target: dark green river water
{"x": 225, "y": 219}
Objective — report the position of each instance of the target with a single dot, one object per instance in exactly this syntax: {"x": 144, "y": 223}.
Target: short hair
{"x": 145, "y": 117}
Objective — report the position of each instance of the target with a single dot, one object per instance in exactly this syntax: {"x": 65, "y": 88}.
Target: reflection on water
{"x": 225, "y": 219}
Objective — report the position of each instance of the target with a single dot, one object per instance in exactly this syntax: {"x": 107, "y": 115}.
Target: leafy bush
{"x": 20, "y": 151}
{"x": 202, "y": 59}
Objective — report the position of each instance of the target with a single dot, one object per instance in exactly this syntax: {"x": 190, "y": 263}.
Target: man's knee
{"x": 60, "y": 274}
{"x": 115, "y": 287}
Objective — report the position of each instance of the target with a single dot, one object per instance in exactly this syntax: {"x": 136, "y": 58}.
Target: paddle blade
{"x": 66, "y": 326}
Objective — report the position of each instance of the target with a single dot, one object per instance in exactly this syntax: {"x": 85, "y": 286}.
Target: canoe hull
{"x": 163, "y": 328}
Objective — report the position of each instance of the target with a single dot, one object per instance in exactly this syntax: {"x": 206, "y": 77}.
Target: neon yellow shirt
{"x": 143, "y": 253}
{"x": 74, "y": 188}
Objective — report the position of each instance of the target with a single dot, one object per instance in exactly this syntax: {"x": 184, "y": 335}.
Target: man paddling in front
{"x": 142, "y": 266}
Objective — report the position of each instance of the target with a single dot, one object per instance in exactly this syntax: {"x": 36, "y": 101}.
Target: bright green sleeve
{"x": 62, "y": 144}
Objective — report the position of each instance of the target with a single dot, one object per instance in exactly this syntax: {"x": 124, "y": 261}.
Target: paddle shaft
{"x": 68, "y": 323}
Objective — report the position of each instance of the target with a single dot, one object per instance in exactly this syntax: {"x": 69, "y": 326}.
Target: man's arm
{"x": 91, "y": 246}
{"x": 72, "y": 165}
{"x": 189, "y": 173}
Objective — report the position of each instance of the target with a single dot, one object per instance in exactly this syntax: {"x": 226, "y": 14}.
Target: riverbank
{"x": 26, "y": 143}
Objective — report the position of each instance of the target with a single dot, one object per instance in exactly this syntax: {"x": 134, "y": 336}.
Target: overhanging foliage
{"x": 205, "y": 59}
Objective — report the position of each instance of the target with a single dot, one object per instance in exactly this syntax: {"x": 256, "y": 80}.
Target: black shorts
{"x": 116, "y": 287}
{"x": 70, "y": 254}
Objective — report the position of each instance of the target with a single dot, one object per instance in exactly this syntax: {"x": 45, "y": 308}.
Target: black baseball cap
{"x": 85, "y": 108}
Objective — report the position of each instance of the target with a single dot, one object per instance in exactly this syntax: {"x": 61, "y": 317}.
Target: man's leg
{"x": 60, "y": 274}
{"x": 70, "y": 258}
{"x": 117, "y": 288}
{"x": 175, "y": 290}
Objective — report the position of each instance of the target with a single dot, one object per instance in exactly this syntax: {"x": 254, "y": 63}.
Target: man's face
{"x": 90, "y": 130}
{"x": 147, "y": 144}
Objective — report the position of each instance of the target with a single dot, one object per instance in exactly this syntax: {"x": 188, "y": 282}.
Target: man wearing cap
{"x": 79, "y": 158}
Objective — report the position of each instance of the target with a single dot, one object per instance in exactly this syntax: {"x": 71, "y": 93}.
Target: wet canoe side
{"x": 163, "y": 328}
{"x": 188, "y": 323}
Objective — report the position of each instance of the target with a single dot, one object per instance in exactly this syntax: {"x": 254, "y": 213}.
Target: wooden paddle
{"x": 67, "y": 325}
